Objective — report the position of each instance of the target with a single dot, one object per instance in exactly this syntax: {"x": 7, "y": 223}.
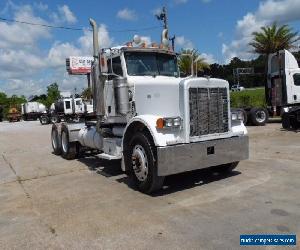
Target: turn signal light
{"x": 160, "y": 123}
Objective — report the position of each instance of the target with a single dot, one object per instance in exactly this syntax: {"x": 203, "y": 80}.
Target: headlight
{"x": 237, "y": 115}
{"x": 169, "y": 122}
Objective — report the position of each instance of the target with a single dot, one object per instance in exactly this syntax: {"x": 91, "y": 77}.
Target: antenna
{"x": 163, "y": 16}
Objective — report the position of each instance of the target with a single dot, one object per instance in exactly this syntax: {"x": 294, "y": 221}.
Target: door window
{"x": 68, "y": 104}
{"x": 296, "y": 79}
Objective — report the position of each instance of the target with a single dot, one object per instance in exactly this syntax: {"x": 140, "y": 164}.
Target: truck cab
{"x": 283, "y": 89}
{"x": 151, "y": 119}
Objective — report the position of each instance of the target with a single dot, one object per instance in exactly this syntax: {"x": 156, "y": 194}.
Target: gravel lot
{"x": 47, "y": 202}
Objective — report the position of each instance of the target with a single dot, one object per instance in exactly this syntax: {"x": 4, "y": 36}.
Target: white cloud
{"x": 86, "y": 41}
{"x": 66, "y": 14}
{"x": 17, "y": 35}
{"x": 269, "y": 11}
{"x": 146, "y": 39}
{"x": 25, "y": 67}
{"x": 209, "y": 58}
{"x": 183, "y": 42}
{"x": 127, "y": 14}
{"x": 59, "y": 52}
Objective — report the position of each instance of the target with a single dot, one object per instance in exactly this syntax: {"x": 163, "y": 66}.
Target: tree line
{"x": 268, "y": 40}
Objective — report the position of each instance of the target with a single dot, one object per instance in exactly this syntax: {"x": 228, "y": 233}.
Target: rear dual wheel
{"x": 68, "y": 149}
{"x": 55, "y": 140}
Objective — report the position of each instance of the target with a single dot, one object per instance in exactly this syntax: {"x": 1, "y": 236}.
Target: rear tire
{"x": 259, "y": 116}
{"x": 55, "y": 118}
{"x": 142, "y": 164}
{"x": 44, "y": 120}
{"x": 68, "y": 149}
{"x": 55, "y": 140}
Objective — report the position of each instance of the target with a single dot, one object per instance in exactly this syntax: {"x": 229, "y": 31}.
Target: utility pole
{"x": 163, "y": 16}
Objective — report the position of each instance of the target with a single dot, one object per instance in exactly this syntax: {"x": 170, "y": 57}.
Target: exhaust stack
{"x": 97, "y": 80}
{"x": 95, "y": 37}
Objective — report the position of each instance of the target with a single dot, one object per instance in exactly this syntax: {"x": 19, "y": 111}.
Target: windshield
{"x": 145, "y": 63}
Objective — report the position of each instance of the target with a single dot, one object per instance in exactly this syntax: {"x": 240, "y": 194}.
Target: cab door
{"x": 294, "y": 76}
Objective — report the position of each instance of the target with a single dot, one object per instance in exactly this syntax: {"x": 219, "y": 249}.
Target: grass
{"x": 248, "y": 98}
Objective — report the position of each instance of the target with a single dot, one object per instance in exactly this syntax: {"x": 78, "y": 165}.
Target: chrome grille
{"x": 208, "y": 111}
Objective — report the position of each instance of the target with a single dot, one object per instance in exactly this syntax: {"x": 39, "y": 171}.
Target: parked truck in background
{"x": 32, "y": 110}
{"x": 67, "y": 109}
{"x": 14, "y": 115}
{"x": 282, "y": 93}
{"x": 283, "y": 89}
{"x": 152, "y": 120}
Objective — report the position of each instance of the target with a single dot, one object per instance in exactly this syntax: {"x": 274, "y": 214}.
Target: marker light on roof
{"x": 137, "y": 39}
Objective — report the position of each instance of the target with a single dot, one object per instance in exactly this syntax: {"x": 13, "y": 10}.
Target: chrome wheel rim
{"x": 64, "y": 142}
{"x": 54, "y": 139}
{"x": 54, "y": 119}
{"x": 260, "y": 116}
{"x": 140, "y": 163}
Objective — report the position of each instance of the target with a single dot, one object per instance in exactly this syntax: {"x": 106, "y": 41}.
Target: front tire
{"x": 259, "y": 116}
{"x": 55, "y": 118}
{"x": 142, "y": 164}
{"x": 286, "y": 122}
{"x": 69, "y": 149}
{"x": 44, "y": 120}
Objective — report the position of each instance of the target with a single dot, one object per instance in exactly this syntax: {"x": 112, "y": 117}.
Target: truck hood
{"x": 156, "y": 95}
{"x": 160, "y": 95}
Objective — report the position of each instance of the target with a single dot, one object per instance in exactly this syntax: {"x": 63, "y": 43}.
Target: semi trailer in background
{"x": 152, "y": 120}
{"x": 32, "y": 110}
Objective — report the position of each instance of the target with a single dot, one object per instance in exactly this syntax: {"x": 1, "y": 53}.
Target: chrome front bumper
{"x": 198, "y": 155}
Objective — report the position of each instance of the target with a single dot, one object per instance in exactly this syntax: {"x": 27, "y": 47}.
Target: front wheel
{"x": 259, "y": 116}
{"x": 44, "y": 120}
{"x": 142, "y": 164}
{"x": 286, "y": 122}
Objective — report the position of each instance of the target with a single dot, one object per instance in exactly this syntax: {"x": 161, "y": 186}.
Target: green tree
{"x": 87, "y": 94}
{"x": 187, "y": 56}
{"x": 53, "y": 94}
{"x": 271, "y": 39}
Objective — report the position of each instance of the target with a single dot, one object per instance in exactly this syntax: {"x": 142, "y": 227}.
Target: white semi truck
{"x": 151, "y": 119}
{"x": 32, "y": 110}
{"x": 67, "y": 109}
{"x": 283, "y": 89}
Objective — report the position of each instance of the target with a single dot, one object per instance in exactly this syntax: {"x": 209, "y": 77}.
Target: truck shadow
{"x": 172, "y": 183}
{"x": 188, "y": 180}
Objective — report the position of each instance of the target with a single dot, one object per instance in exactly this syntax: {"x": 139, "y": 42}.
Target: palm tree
{"x": 185, "y": 61}
{"x": 271, "y": 39}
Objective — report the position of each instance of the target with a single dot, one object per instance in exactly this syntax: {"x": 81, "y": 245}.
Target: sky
{"x": 32, "y": 57}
